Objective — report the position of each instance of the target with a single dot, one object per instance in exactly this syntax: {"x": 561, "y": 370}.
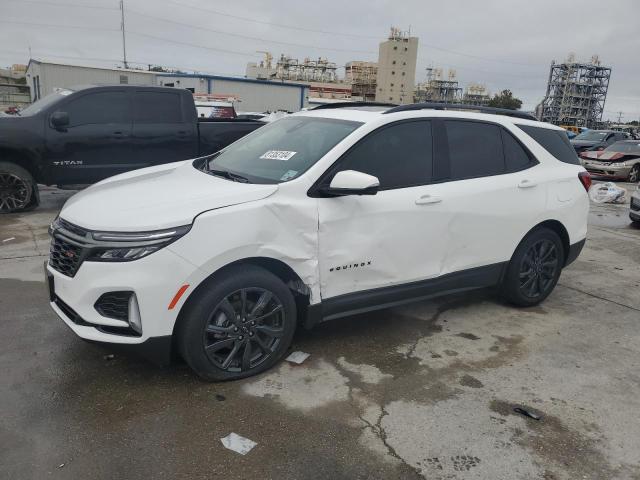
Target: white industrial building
{"x": 252, "y": 95}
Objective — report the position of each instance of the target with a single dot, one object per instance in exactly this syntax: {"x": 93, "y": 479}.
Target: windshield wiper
{"x": 228, "y": 175}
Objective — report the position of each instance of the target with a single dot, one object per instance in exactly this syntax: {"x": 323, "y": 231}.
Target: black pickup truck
{"x": 80, "y": 136}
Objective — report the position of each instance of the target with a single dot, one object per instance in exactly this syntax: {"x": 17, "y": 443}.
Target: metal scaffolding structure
{"x": 438, "y": 89}
{"x": 362, "y": 77}
{"x": 320, "y": 70}
{"x": 576, "y": 93}
{"x": 476, "y": 94}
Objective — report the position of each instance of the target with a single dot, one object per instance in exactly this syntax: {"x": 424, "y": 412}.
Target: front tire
{"x": 240, "y": 323}
{"x": 634, "y": 174}
{"x": 16, "y": 188}
{"x": 534, "y": 269}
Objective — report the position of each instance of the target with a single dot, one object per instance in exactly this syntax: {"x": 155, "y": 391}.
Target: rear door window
{"x": 475, "y": 149}
{"x": 515, "y": 156}
{"x": 555, "y": 142}
{"x": 399, "y": 155}
{"x": 157, "y": 107}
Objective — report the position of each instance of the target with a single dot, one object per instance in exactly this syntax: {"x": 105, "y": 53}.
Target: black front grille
{"x": 114, "y": 305}
{"x": 635, "y": 203}
{"x": 65, "y": 257}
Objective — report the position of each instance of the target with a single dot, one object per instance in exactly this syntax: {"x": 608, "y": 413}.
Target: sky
{"x": 503, "y": 44}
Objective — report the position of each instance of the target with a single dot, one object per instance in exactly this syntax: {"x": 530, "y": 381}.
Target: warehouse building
{"x": 251, "y": 95}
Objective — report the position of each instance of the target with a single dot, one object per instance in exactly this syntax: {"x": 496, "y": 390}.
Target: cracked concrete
{"x": 422, "y": 391}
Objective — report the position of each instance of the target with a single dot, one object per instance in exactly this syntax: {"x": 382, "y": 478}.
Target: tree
{"x": 505, "y": 99}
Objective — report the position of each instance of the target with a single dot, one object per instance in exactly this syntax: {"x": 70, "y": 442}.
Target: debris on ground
{"x": 297, "y": 357}
{"x": 238, "y": 444}
{"x": 61, "y": 465}
{"x": 607, "y": 192}
{"x": 220, "y": 398}
{"x": 527, "y": 413}
{"x": 111, "y": 356}
{"x": 8, "y": 239}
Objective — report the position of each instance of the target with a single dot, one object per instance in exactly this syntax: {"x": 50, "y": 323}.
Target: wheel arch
{"x": 301, "y": 292}
{"x": 21, "y": 158}
{"x": 557, "y": 227}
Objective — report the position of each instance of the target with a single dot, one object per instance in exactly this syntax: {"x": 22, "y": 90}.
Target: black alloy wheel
{"x": 539, "y": 268}
{"x": 534, "y": 268}
{"x": 244, "y": 329}
{"x": 237, "y": 323}
{"x": 15, "y": 192}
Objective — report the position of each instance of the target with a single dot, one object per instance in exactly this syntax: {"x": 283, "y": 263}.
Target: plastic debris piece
{"x": 111, "y": 356}
{"x": 527, "y": 413}
{"x": 220, "y": 398}
{"x": 61, "y": 465}
{"x": 8, "y": 239}
{"x": 238, "y": 444}
{"x": 297, "y": 357}
{"x": 607, "y": 192}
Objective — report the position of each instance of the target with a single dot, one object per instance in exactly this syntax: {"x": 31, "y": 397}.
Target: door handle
{"x": 182, "y": 133}
{"x": 119, "y": 134}
{"x": 527, "y": 184}
{"x": 428, "y": 199}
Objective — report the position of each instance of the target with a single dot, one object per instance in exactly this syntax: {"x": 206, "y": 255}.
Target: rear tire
{"x": 534, "y": 269}
{"x": 16, "y": 188}
{"x": 241, "y": 323}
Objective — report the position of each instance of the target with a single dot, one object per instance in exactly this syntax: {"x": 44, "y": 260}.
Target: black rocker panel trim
{"x": 385, "y": 297}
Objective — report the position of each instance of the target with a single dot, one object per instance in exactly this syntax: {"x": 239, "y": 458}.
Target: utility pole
{"x": 620, "y": 117}
{"x": 124, "y": 41}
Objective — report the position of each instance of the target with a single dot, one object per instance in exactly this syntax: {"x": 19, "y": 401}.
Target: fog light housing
{"x": 134, "y": 314}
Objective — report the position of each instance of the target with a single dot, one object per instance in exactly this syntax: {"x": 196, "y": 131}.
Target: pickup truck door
{"x": 164, "y": 127}
{"x": 96, "y": 142}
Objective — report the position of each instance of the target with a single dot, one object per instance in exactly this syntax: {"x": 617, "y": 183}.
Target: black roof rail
{"x": 461, "y": 106}
{"x": 328, "y": 106}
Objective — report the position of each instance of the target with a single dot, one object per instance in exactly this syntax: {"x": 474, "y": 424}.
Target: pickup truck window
{"x": 98, "y": 108}
{"x": 157, "y": 107}
{"x": 282, "y": 150}
{"x": 44, "y": 102}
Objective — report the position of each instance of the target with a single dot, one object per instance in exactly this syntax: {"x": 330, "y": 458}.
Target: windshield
{"x": 282, "y": 150}
{"x": 624, "y": 147}
{"x": 44, "y": 102}
{"x": 592, "y": 135}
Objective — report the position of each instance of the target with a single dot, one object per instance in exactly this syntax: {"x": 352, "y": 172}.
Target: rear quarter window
{"x": 553, "y": 141}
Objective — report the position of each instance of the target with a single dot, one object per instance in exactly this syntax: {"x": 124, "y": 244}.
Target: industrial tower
{"x": 576, "y": 93}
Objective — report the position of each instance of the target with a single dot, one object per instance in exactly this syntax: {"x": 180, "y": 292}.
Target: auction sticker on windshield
{"x": 277, "y": 155}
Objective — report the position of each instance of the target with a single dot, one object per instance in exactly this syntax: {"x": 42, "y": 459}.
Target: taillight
{"x": 585, "y": 180}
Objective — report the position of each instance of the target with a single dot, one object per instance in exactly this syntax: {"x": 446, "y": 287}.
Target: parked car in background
{"x": 82, "y": 135}
{"x": 634, "y": 207}
{"x": 317, "y": 216}
{"x": 596, "y": 139}
{"x": 619, "y": 161}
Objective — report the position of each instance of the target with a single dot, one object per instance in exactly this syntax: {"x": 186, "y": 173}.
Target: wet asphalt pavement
{"x": 422, "y": 391}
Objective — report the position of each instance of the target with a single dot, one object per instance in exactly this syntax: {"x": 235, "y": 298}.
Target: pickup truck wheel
{"x": 240, "y": 326}
{"x": 534, "y": 269}
{"x": 16, "y": 187}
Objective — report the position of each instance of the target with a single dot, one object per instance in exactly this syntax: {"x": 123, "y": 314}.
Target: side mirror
{"x": 350, "y": 182}
{"x": 60, "y": 120}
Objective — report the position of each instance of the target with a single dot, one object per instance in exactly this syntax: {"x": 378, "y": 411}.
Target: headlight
{"x": 128, "y": 246}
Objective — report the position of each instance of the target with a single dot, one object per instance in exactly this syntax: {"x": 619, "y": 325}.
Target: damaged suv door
{"x": 362, "y": 239}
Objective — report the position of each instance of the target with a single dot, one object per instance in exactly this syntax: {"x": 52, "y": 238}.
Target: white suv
{"x": 317, "y": 216}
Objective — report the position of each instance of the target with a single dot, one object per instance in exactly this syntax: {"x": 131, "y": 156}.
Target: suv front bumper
{"x": 154, "y": 280}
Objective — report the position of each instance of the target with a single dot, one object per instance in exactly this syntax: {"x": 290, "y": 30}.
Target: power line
{"x": 59, "y": 4}
{"x": 246, "y": 36}
{"x": 346, "y": 34}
